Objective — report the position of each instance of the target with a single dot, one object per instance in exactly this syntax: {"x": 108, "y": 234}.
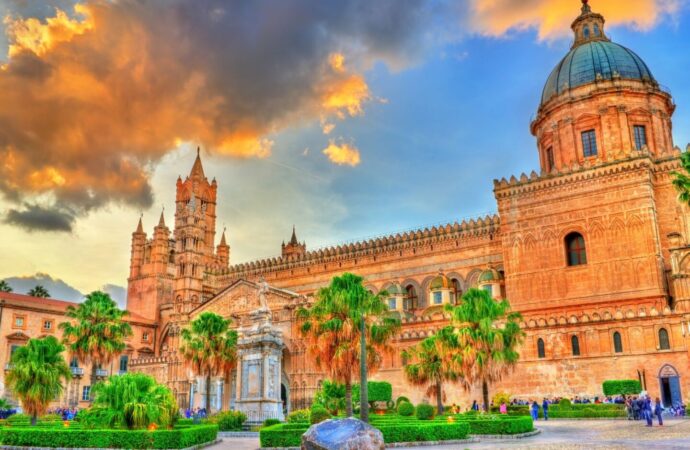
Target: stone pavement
{"x": 562, "y": 434}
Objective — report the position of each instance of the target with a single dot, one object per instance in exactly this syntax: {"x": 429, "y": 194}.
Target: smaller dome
{"x": 490, "y": 275}
{"x": 395, "y": 289}
{"x": 440, "y": 282}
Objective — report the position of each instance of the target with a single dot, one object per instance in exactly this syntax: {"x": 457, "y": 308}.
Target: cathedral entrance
{"x": 669, "y": 384}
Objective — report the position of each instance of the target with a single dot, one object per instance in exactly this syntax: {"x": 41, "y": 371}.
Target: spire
{"x": 222, "y": 239}
{"x": 140, "y": 227}
{"x": 293, "y": 239}
{"x": 197, "y": 168}
{"x": 585, "y": 7}
{"x": 161, "y": 221}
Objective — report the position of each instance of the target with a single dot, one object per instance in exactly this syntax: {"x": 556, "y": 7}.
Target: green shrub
{"x": 416, "y": 432}
{"x": 299, "y": 415}
{"x": 500, "y": 425}
{"x": 402, "y": 398}
{"x": 319, "y": 414}
{"x": 621, "y": 387}
{"x": 18, "y": 419}
{"x": 229, "y": 420}
{"x": 70, "y": 438}
{"x": 377, "y": 391}
{"x": 565, "y": 403}
{"x": 405, "y": 409}
{"x": 282, "y": 435}
{"x": 425, "y": 411}
{"x": 270, "y": 422}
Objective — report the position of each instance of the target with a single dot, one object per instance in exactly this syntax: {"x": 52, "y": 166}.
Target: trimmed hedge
{"x": 504, "y": 425}
{"x": 319, "y": 414}
{"x": 282, "y": 435}
{"x": 299, "y": 415}
{"x": 270, "y": 422}
{"x": 425, "y": 411}
{"x": 422, "y": 432}
{"x": 70, "y": 438}
{"x": 377, "y": 391}
{"x": 229, "y": 420}
{"x": 405, "y": 409}
{"x": 621, "y": 387}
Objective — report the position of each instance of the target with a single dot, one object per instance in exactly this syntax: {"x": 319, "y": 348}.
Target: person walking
{"x": 647, "y": 410}
{"x": 545, "y": 408}
{"x": 628, "y": 407}
{"x": 535, "y": 410}
{"x": 658, "y": 409}
{"x": 503, "y": 408}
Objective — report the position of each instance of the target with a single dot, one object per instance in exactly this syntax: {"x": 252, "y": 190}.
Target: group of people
{"x": 65, "y": 412}
{"x": 643, "y": 408}
{"x": 195, "y": 413}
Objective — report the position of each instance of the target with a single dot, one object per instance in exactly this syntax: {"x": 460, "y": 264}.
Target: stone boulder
{"x": 342, "y": 434}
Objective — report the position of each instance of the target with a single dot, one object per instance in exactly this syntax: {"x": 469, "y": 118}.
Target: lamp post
{"x": 363, "y": 388}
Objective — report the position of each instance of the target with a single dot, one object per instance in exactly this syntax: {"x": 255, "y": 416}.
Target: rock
{"x": 342, "y": 434}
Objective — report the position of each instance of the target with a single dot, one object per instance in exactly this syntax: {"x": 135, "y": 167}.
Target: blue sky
{"x": 448, "y": 110}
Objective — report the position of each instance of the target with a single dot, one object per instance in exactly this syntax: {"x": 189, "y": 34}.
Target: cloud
{"x": 117, "y": 293}
{"x": 552, "y": 18}
{"x": 38, "y": 218}
{"x": 91, "y": 99}
{"x": 56, "y": 287}
{"x": 342, "y": 154}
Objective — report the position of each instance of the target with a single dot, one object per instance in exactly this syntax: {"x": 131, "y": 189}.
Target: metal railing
{"x": 101, "y": 372}
{"x": 77, "y": 371}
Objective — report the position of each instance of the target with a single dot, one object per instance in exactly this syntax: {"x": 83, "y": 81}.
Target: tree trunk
{"x": 348, "y": 398}
{"x": 34, "y": 419}
{"x": 363, "y": 386}
{"x": 208, "y": 393}
{"x": 439, "y": 397}
{"x": 485, "y": 394}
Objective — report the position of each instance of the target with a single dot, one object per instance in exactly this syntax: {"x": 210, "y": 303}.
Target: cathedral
{"x": 592, "y": 249}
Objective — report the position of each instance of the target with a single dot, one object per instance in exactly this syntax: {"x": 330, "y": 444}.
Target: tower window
{"x": 391, "y": 303}
{"x": 575, "y": 344}
{"x": 640, "y": 132}
{"x": 586, "y": 32}
{"x": 589, "y": 143}
{"x": 617, "y": 343}
{"x": 575, "y": 248}
{"x": 597, "y": 31}
{"x": 540, "y": 348}
{"x": 549, "y": 159}
{"x": 663, "y": 339}
{"x": 410, "y": 301}
{"x": 438, "y": 298}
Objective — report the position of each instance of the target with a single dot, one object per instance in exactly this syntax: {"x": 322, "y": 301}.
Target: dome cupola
{"x": 600, "y": 103}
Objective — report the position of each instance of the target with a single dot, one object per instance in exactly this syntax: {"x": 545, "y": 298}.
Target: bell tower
{"x": 195, "y": 231}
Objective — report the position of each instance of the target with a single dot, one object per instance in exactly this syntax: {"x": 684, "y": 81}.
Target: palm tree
{"x": 133, "y": 400}
{"x": 488, "y": 335}
{"x": 38, "y": 369}
{"x": 211, "y": 346}
{"x": 4, "y": 287}
{"x": 434, "y": 363}
{"x": 332, "y": 328}
{"x": 681, "y": 181}
{"x": 97, "y": 331}
{"x": 39, "y": 291}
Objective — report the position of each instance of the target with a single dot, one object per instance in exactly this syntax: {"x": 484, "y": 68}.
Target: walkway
{"x": 562, "y": 434}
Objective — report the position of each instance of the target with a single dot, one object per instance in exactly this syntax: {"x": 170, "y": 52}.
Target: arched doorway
{"x": 284, "y": 398}
{"x": 669, "y": 384}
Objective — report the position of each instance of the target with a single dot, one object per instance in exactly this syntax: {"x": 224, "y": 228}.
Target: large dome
{"x": 593, "y": 61}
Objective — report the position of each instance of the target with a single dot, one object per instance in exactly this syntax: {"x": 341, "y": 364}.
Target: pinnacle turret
{"x": 140, "y": 226}
{"x": 161, "y": 221}
{"x": 197, "y": 168}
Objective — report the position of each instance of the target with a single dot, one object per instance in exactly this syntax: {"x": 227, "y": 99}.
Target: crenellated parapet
{"x": 465, "y": 231}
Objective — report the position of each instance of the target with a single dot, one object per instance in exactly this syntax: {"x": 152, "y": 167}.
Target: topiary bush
{"x": 319, "y": 414}
{"x": 270, "y": 422}
{"x": 565, "y": 403}
{"x": 229, "y": 420}
{"x": 402, "y": 398}
{"x": 425, "y": 411}
{"x": 299, "y": 416}
{"x": 405, "y": 409}
{"x": 621, "y": 387}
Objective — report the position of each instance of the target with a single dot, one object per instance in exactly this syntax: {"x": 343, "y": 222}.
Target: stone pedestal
{"x": 260, "y": 348}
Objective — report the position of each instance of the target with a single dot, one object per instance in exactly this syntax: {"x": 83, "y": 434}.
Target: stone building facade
{"x": 593, "y": 250}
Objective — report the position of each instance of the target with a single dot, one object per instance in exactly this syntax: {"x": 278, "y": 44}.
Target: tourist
{"x": 647, "y": 410}
{"x": 475, "y": 406}
{"x": 629, "y": 407}
{"x": 503, "y": 408}
{"x": 637, "y": 408}
{"x": 535, "y": 410}
{"x": 545, "y": 408}
{"x": 658, "y": 409}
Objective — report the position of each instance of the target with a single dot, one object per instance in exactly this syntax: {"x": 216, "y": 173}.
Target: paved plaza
{"x": 562, "y": 434}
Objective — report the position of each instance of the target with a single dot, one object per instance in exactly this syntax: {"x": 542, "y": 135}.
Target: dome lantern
{"x": 588, "y": 26}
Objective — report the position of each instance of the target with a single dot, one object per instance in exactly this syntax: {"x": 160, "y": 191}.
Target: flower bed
{"x": 180, "y": 437}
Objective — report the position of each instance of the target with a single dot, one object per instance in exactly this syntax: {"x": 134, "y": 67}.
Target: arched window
{"x": 549, "y": 159}
{"x": 540, "y": 348}
{"x": 663, "y": 339}
{"x": 617, "y": 342}
{"x": 456, "y": 291}
{"x": 586, "y": 32}
{"x": 597, "y": 31}
{"x": 575, "y": 249}
{"x": 410, "y": 301}
{"x": 575, "y": 344}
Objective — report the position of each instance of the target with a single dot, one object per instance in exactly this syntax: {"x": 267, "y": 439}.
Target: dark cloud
{"x": 117, "y": 293}
{"x": 38, "y": 218}
{"x": 92, "y": 99}
{"x": 56, "y": 287}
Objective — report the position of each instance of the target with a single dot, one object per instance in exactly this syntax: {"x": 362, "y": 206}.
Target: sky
{"x": 348, "y": 119}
